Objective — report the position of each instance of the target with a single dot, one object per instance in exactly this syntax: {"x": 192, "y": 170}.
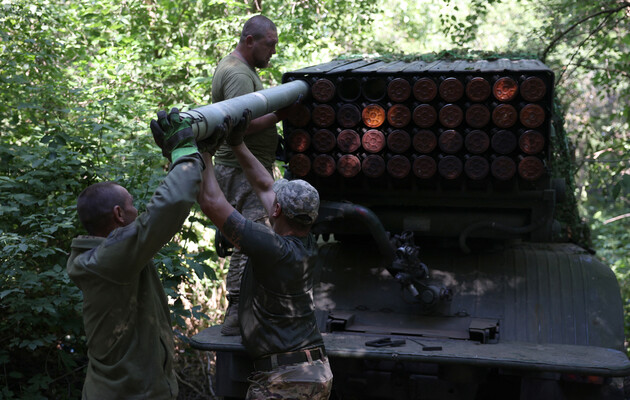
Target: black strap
{"x": 296, "y": 357}
{"x": 177, "y": 138}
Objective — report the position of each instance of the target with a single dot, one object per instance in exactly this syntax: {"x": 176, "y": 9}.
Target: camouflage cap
{"x": 298, "y": 199}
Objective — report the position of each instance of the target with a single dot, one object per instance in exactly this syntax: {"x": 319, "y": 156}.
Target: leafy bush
{"x": 79, "y": 82}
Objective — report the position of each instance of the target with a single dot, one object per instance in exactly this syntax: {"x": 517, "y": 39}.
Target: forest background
{"x": 80, "y": 80}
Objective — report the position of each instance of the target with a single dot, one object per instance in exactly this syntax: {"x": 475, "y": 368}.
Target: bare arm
{"x": 211, "y": 199}
{"x": 260, "y": 123}
{"x": 257, "y": 176}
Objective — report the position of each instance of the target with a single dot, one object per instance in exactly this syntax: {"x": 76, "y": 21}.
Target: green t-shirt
{"x": 234, "y": 78}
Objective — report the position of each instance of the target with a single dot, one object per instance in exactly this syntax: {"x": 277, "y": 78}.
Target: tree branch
{"x": 609, "y": 70}
{"x": 599, "y": 27}
{"x": 192, "y": 387}
{"x": 594, "y": 161}
{"x": 576, "y": 24}
{"x": 617, "y": 218}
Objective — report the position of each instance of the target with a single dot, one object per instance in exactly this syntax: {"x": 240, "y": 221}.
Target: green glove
{"x": 235, "y": 136}
{"x": 173, "y": 135}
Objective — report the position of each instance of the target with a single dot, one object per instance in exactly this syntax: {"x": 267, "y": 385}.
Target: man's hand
{"x": 235, "y": 137}
{"x": 173, "y": 135}
{"x": 212, "y": 143}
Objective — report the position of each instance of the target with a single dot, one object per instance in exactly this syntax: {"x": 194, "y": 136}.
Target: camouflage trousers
{"x": 242, "y": 197}
{"x": 304, "y": 381}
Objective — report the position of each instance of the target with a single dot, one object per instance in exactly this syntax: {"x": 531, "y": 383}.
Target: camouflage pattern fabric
{"x": 304, "y": 381}
{"x": 241, "y": 196}
{"x": 298, "y": 199}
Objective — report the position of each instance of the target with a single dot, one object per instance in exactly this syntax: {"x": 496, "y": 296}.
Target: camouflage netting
{"x": 443, "y": 55}
{"x": 564, "y": 166}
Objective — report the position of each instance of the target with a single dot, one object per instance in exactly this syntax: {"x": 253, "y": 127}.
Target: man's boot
{"x": 230, "y": 323}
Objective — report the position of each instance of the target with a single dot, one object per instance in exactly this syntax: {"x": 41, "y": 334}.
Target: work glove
{"x": 216, "y": 139}
{"x": 235, "y": 137}
{"x": 173, "y": 135}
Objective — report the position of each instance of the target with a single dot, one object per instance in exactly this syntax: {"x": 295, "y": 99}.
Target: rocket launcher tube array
{"x": 207, "y": 118}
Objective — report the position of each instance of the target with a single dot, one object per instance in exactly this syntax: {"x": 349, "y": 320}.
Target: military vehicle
{"x": 444, "y": 269}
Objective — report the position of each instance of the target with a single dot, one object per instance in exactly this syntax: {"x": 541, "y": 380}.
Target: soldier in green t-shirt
{"x": 235, "y": 76}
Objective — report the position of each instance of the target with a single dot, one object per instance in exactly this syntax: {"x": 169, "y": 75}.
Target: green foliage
{"x": 612, "y": 236}
{"x": 464, "y": 29}
{"x": 41, "y": 172}
{"x": 79, "y": 82}
{"x": 568, "y": 212}
{"x": 588, "y": 43}
{"x": 39, "y": 305}
{"x": 73, "y": 88}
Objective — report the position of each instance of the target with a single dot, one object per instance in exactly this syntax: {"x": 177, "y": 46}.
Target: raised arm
{"x": 256, "y": 174}
{"x": 211, "y": 199}
{"x": 271, "y": 119}
{"x": 262, "y": 122}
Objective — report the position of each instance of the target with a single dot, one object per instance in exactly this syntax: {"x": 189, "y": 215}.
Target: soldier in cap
{"x": 276, "y": 313}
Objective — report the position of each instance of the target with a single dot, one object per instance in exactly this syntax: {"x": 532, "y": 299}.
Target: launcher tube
{"x": 206, "y": 118}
